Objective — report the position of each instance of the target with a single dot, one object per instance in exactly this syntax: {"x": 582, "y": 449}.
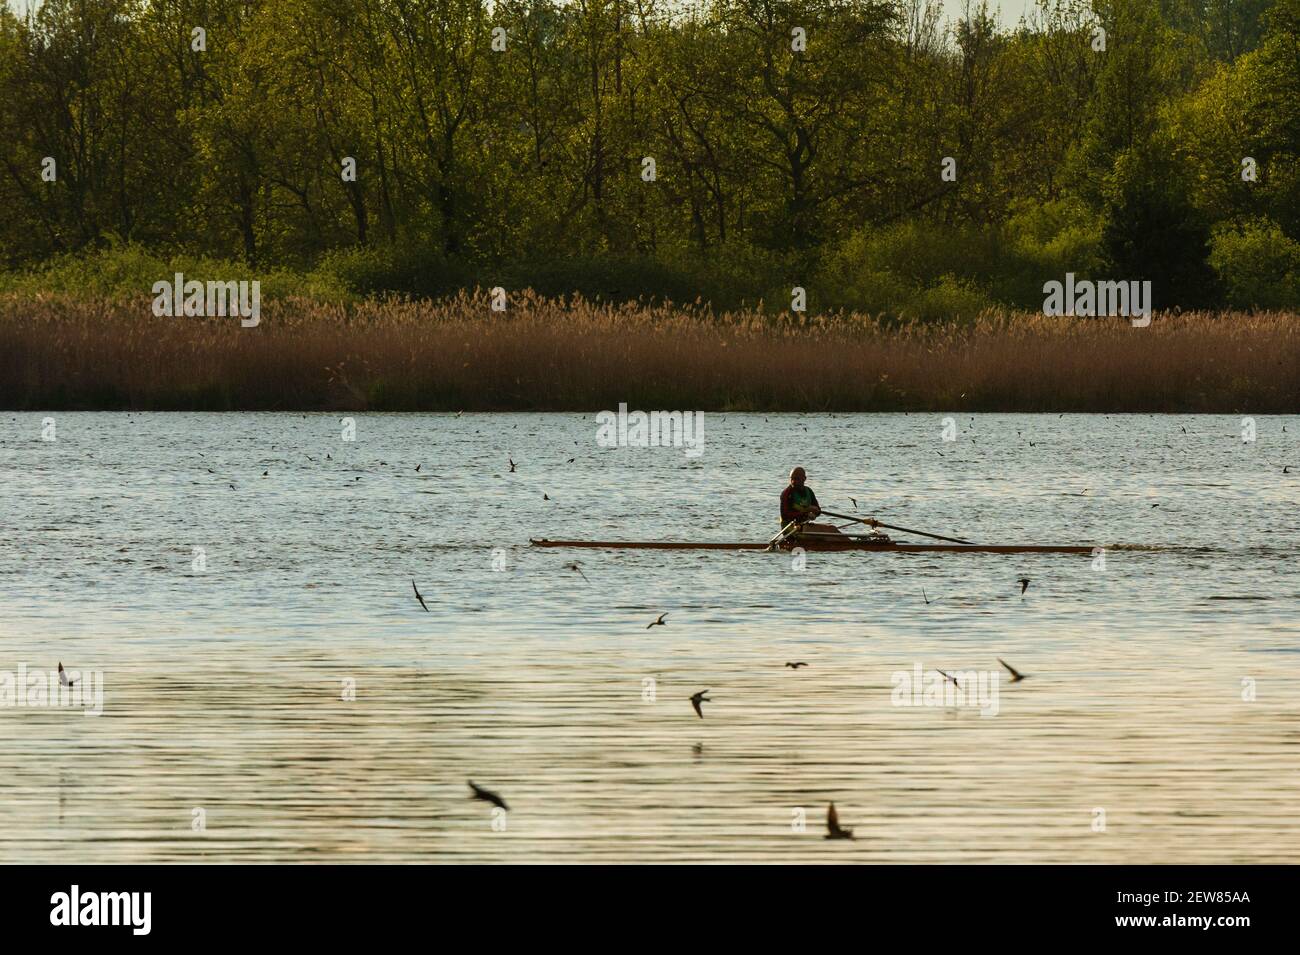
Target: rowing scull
{"x": 827, "y": 542}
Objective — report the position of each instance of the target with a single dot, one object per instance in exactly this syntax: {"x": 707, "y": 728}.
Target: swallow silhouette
{"x": 699, "y": 698}
{"x": 949, "y": 677}
{"x": 511, "y": 462}
{"x": 1016, "y": 675}
{"x": 923, "y": 596}
{"x": 833, "y": 828}
{"x": 1024, "y": 584}
{"x": 487, "y": 795}
{"x": 796, "y": 665}
{"x": 63, "y": 677}
{"x": 418, "y": 597}
{"x": 574, "y": 567}
{"x": 659, "y": 623}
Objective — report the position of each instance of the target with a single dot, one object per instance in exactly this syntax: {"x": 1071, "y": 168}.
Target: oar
{"x": 780, "y": 534}
{"x": 893, "y": 527}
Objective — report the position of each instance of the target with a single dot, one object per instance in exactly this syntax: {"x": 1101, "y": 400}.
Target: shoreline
{"x": 60, "y": 353}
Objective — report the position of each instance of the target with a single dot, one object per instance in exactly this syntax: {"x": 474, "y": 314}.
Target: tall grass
{"x": 58, "y": 352}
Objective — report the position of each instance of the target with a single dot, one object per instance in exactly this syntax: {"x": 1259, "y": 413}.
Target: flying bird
{"x": 948, "y": 677}
{"x": 574, "y": 567}
{"x": 660, "y": 623}
{"x": 487, "y": 795}
{"x": 63, "y": 677}
{"x": 511, "y": 462}
{"x": 796, "y": 665}
{"x": 1016, "y": 675}
{"x": 833, "y": 828}
{"x": 418, "y": 597}
{"x": 1024, "y": 584}
{"x": 699, "y": 698}
{"x": 924, "y": 597}
{"x": 855, "y": 502}
{"x": 417, "y": 467}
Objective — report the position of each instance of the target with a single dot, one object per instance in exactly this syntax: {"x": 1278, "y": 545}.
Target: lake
{"x": 272, "y": 691}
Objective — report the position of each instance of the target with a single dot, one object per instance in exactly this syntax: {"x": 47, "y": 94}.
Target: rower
{"x": 799, "y": 505}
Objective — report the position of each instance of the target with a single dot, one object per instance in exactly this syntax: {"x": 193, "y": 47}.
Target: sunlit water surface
{"x": 1160, "y": 721}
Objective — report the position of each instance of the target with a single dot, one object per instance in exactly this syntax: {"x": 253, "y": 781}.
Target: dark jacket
{"x": 797, "y": 504}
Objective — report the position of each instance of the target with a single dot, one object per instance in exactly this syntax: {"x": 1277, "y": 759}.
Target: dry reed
{"x": 60, "y": 353}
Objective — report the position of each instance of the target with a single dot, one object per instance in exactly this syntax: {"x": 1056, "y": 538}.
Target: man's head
{"x": 797, "y": 477}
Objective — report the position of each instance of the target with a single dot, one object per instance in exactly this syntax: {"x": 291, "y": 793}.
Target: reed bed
{"x": 553, "y": 354}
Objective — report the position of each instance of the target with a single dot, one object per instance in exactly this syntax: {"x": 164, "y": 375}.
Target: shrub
{"x": 1258, "y": 265}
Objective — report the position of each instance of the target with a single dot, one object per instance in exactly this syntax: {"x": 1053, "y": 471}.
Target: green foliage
{"x": 125, "y": 270}
{"x": 916, "y": 269}
{"x": 775, "y": 167}
{"x": 1258, "y": 265}
{"x": 1151, "y": 232}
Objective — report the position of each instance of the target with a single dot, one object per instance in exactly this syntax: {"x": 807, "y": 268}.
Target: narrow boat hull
{"x": 841, "y": 542}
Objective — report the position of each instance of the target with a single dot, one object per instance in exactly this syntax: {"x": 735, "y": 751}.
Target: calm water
{"x": 224, "y": 687}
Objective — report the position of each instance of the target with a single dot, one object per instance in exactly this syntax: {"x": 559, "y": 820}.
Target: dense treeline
{"x": 222, "y": 129}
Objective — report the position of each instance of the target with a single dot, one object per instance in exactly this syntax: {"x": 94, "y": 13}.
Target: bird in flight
{"x": 833, "y": 828}
{"x": 1016, "y": 675}
{"x": 487, "y": 795}
{"x": 511, "y": 462}
{"x": 949, "y": 677}
{"x": 418, "y": 597}
{"x": 574, "y": 567}
{"x": 927, "y": 599}
{"x": 796, "y": 665}
{"x": 658, "y": 623}
{"x": 63, "y": 677}
{"x": 699, "y": 698}
{"x": 1024, "y": 584}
